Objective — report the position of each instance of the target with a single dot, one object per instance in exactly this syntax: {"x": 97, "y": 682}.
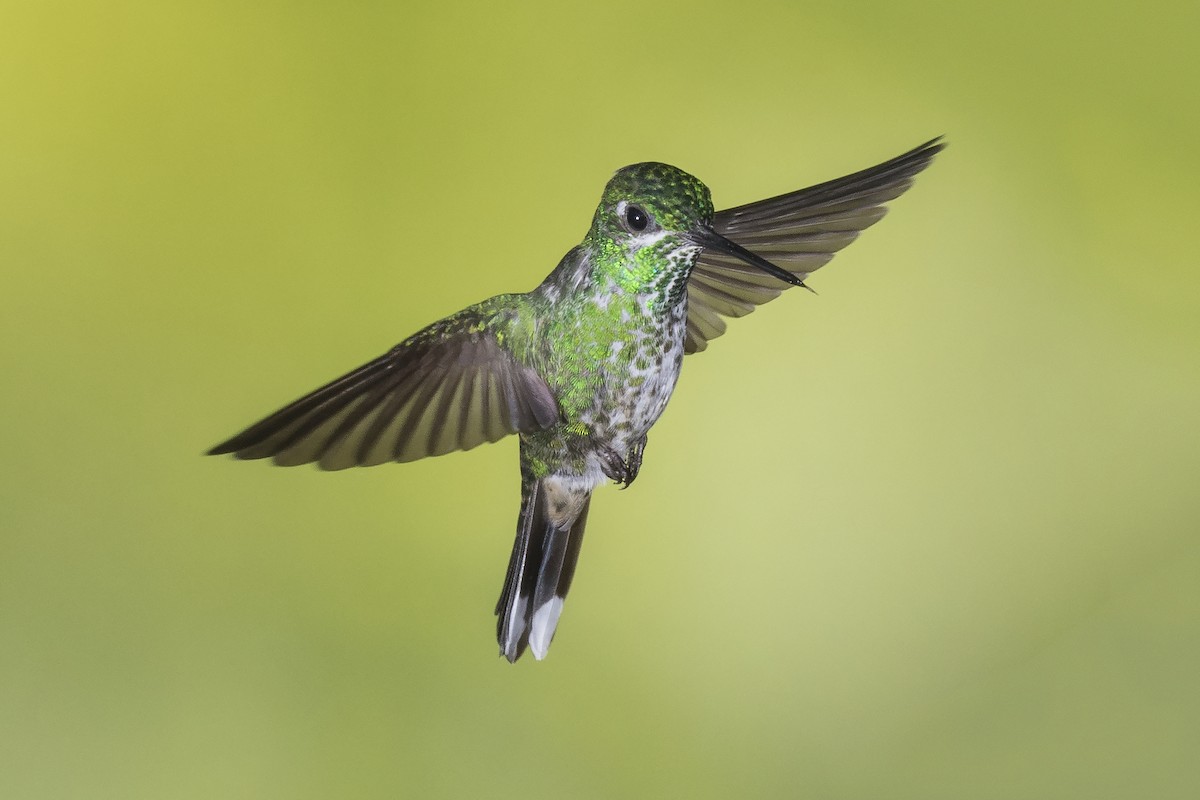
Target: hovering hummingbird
{"x": 582, "y": 366}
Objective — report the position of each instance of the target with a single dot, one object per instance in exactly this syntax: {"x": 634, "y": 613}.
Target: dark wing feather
{"x": 799, "y": 231}
{"x": 449, "y": 387}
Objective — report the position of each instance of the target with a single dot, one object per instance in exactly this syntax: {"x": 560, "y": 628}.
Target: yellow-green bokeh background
{"x": 932, "y": 534}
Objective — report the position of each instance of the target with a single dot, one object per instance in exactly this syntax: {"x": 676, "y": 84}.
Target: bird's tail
{"x": 549, "y": 534}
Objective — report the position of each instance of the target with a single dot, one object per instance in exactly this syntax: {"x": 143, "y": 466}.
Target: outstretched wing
{"x": 449, "y": 387}
{"x": 799, "y": 231}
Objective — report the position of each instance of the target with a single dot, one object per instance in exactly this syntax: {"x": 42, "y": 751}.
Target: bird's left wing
{"x": 799, "y": 232}
{"x": 451, "y": 386}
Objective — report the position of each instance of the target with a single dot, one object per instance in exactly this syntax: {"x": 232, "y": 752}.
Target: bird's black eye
{"x": 636, "y": 218}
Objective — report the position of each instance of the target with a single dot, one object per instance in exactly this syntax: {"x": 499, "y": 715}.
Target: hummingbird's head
{"x": 653, "y": 210}
{"x": 643, "y": 202}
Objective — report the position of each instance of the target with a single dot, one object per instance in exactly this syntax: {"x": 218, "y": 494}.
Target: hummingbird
{"x": 582, "y": 366}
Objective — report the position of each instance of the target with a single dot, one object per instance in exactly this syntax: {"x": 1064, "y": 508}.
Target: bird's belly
{"x": 612, "y": 386}
{"x": 635, "y": 404}
{"x": 637, "y": 383}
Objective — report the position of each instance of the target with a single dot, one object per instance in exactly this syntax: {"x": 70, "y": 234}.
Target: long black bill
{"x": 711, "y": 240}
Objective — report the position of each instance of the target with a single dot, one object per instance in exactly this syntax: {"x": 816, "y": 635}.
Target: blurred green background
{"x": 969, "y": 570}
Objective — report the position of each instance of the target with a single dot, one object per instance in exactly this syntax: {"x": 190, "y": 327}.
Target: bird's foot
{"x": 622, "y": 470}
{"x": 633, "y": 462}
{"x": 612, "y": 464}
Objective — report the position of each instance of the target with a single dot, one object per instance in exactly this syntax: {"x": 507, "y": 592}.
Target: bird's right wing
{"x": 799, "y": 231}
{"x": 449, "y": 387}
